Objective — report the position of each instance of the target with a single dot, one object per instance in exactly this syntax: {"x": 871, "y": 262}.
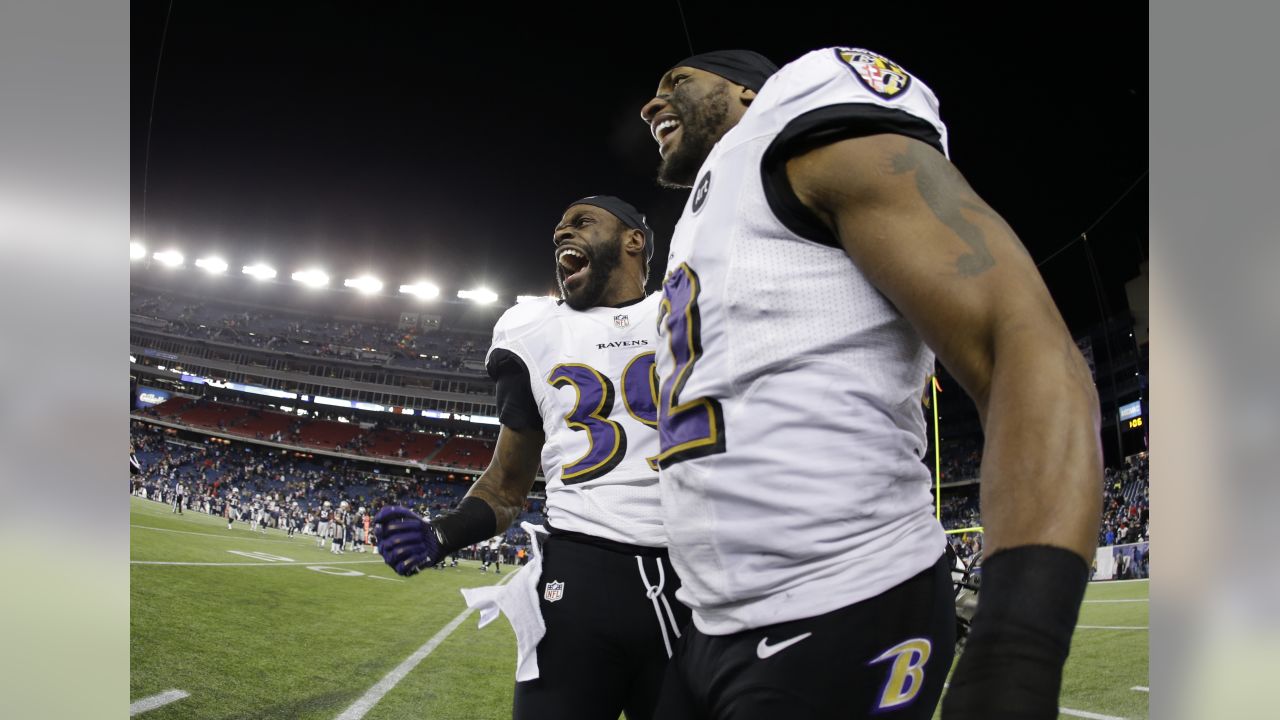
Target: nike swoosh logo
{"x": 765, "y": 650}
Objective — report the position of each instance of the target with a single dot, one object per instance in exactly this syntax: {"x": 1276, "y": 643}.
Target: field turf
{"x": 268, "y": 636}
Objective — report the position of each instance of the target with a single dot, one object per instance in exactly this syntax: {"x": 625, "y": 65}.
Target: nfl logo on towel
{"x": 621, "y": 320}
{"x": 554, "y": 591}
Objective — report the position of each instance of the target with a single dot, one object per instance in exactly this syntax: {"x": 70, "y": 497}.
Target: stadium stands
{"x": 228, "y": 322}
{"x": 380, "y": 442}
{"x": 465, "y": 452}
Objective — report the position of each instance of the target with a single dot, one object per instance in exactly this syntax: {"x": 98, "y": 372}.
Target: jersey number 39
{"x": 607, "y": 440}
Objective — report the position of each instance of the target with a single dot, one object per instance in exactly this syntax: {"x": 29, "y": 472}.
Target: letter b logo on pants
{"x": 906, "y": 675}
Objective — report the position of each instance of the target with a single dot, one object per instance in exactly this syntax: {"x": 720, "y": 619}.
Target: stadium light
{"x": 172, "y": 258}
{"x": 137, "y": 251}
{"x": 365, "y": 284}
{"x": 423, "y": 289}
{"x": 311, "y": 278}
{"x": 259, "y": 271}
{"x": 214, "y": 265}
{"x": 483, "y": 296}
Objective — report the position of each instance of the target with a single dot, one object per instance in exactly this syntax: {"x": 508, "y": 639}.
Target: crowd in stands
{"x": 315, "y": 337}
{"x": 961, "y": 460}
{"x": 388, "y": 436}
{"x": 213, "y": 471}
{"x": 1126, "y": 508}
{"x": 1126, "y": 504}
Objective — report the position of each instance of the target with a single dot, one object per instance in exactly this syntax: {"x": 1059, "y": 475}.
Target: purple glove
{"x": 406, "y": 542}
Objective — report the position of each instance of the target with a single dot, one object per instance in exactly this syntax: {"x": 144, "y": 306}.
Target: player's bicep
{"x": 924, "y": 238}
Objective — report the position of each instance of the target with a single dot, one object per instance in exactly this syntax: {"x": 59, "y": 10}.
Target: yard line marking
{"x": 1067, "y": 711}
{"x": 365, "y": 703}
{"x": 1119, "y": 601}
{"x": 379, "y": 577}
{"x": 253, "y": 564}
{"x": 1109, "y": 582}
{"x": 1086, "y": 714}
{"x": 1140, "y": 688}
{"x": 155, "y": 701}
{"x": 1113, "y": 627}
{"x": 224, "y": 537}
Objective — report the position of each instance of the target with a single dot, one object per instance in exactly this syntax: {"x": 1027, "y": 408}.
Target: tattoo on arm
{"x": 947, "y": 194}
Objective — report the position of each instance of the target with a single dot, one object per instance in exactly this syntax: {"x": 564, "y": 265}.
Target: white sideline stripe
{"x": 1141, "y": 688}
{"x": 253, "y": 564}
{"x": 365, "y": 703}
{"x": 155, "y": 701}
{"x": 1068, "y": 711}
{"x": 1116, "y": 582}
{"x": 1118, "y": 601}
{"x": 1087, "y": 714}
{"x": 1113, "y": 627}
{"x": 224, "y": 537}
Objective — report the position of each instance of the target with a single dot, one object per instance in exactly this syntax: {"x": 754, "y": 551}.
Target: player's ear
{"x": 633, "y": 242}
{"x": 746, "y": 95}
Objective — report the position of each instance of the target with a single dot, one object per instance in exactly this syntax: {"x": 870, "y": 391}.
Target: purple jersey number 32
{"x": 693, "y": 428}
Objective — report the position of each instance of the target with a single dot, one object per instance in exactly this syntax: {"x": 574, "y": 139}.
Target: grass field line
{"x": 1067, "y": 711}
{"x": 155, "y": 701}
{"x": 1140, "y": 688}
{"x": 1113, "y": 627}
{"x": 1119, "y": 601}
{"x": 1115, "y": 582}
{"x": 365, "y": 703}
{"x": 253, "y": 564}
{"x": 1087, "y": 715}
{"x": 224, "y": 537}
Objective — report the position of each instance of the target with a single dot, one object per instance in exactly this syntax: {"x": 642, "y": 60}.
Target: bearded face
{"x": 695, "y": 125}
{"x": 588, "y": 250}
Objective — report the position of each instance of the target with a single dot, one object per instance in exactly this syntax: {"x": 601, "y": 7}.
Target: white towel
{"x": 518, "y": 600}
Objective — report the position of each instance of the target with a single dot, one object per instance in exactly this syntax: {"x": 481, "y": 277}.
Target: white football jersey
{"x": 592, "y": 377}
{"x": 792, "y": 430}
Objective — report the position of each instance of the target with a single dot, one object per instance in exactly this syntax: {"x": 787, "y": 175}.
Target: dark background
{"x": 442, "y": 141}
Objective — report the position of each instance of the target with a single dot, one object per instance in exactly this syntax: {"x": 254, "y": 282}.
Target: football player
{"x": 827, "y": 250}
{"x": 575, "y": 391}
{"x": 322, "y": 529}
{"x": 338, "y": 523}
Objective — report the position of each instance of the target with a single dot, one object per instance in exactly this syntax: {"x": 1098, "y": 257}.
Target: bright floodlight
{"x": 212, "y": 264}
{"x": 365, "y": 284}
{"x": 422, "y": 289}
{"x": 137, "y": 251}
{"x": 172, "y": 258}
{"x": 483, "y": 296}
{"x": 311, "y": 278}
{"x": 259, "y": 271}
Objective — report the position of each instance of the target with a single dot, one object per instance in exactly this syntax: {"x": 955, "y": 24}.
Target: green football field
{"x": 246, "y": 625}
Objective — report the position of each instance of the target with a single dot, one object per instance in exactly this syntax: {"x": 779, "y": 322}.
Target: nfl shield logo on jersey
{"x": 621, "y": 321}
{"x": 554, "y": 591}
{"x": 878, "y": 73}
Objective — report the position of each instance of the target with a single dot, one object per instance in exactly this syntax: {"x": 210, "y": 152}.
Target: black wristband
{"x": 1027, "y": 609}
{"x": 472, "y": 521}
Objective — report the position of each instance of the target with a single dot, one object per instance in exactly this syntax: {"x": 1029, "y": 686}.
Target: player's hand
{"x": 406, "y": 542}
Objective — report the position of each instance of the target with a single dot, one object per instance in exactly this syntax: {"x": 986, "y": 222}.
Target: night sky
{"x": 443, "y": 140}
